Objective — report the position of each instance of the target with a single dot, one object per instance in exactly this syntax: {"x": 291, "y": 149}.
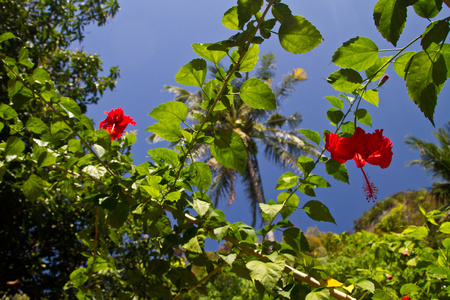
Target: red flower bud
{"x": 406, "y": 253}
{"x": 389, "y": 276}
{"x": 406, "y": 298}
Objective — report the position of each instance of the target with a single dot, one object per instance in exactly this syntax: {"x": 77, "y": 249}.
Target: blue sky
{"x": 151, "y": 40}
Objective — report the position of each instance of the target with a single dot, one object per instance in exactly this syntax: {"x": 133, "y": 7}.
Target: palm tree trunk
{"x": 256, "y": 182}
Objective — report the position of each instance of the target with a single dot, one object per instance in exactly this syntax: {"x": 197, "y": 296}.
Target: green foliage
{"x": 82, "y": 221}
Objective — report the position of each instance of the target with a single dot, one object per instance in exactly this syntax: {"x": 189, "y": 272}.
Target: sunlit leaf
{"x": 287, "y": 180}
{"x": 427, "y": 9}
{"x": 193, "y": 73}
{"x": 271, "y": 209}
{"x": 200, "y": 174}
{"x": 371, "y": 96}
{"x": 337, "y": 170}
{"x": 33, "y": 187}
{"x": 424, "y": 80}
{"x": 378, "y": 68}
{"x": 213, "y": 56}
{"x": 401, "y": 62}
{"x": 268, "y": 273}
{"x": 363, "y": 116}
{"x": 390, "y": 18}
{"x": 297, "y": 35}
{"x": 345, "y": 80}
{"x": 306, "y": 164}
{"x": 257, "y": 94}
{"x": 291, "y": 204}
{"x": 250, "y": 59}
{"x": 169, "y": 132}
{"x": 358, "y": 53}
{"x": 229, "y": 150}
{"x": 170, "y": 112}
{"x": 311, "y": 135}
{"x": 230, "y": 19}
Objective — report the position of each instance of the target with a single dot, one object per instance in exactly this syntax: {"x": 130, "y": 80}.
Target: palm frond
{"x": 265, "y": 70}
{"x": 288, "y": 83}
{"x": 223, "y": 182}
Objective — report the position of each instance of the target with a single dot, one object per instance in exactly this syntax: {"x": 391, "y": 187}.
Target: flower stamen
{"x": 370, "y": 190}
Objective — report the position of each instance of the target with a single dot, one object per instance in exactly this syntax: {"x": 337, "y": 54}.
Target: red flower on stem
{"x": 116, "y": 122}
{"x": 362, "y": 147}
{"x": 406, "y": 298}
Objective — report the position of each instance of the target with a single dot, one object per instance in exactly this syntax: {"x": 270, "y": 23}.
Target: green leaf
{"x": 424, "y": 80}
{"x": 213, "y": 56}
{"x": 247, "y": 8}
{"x": 318, "y": 181}
{"x": 337, "y": 170}
{"x": 318, "y": 295}
{"x": 410, "y": 289}
{"x": 281, "y": 11}
{"x": 244, "y": 233}
{"x": 23, "y": 58}
{"x": 307, "y": 189}
{"x": 335, "y": 115}
{"x": 79, "y": 277}
{"x": 220, "y": 232}
{"x": 267, "y": 273}
{"x": 311, "y": 135}
{"x": 46, "y": 159}
{"x": 14, "y": 146}
{"x": 60, "y": 130}
{"x": 445, "y": 227}
{"x": 295, "y": 238}
{"x": 435, "y": 33}
{"x": 7, "y": 112}
{"x": 291, "y": 204}
{"x": 317, "y": 211}
{"x": 96, "y": 172}
{"x": 345, "y": 80}
{"x": 336, "y": 102}
{"x": 390, "y": 18}
{"x": 306, "y": 164}
{"x": 363, "y": 117}
{"x": 427, "y": 9}
{"x": 6, "y": 36}
{"x": 229, "y": 259}
{"x": 401, "y": 62}
{"x": 169, "y": 131}
{"x": 229, "y": 150}
{"x": 417, "y": 232}
{"x": 193, "y": 73}
{"x": 164, "y": 155}
{"x": 170, "y": 112}
{"x": 257, "y": 94}
{"x": 287, "y": 180}
{"x": 201, "y": 175}
{"x": 358, "y": 53}
{"x": 297, "y": 35}
{"x": 371, "y": 96}
{"x": 201, "y": 207}
{"x": 33, "y": 187}
{"x": 70, "y": 106}
{"x": 250, "y": 59}
{"x": 173, "y": 196}
{"x": 374, "y": 72}
{"x": 271, "y": 209}
{"x": 366, "y": 285}
{"x": 230, "y": 19}
{"x": 36, "y": 125}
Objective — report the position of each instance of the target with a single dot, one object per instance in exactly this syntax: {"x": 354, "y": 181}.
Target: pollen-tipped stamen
{"x": 370, "y": 190}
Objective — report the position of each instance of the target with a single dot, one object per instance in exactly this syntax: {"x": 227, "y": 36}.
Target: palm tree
{"x": 435, "y": 159}
{"x": 256, "y": 128}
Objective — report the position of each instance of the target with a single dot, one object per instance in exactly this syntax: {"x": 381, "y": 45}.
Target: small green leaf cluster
{"x": 411, "y": 263}
{"x": 424, "y": 72}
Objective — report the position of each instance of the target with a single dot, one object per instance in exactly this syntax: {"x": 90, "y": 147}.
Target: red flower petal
{"x": 116, "y": 122}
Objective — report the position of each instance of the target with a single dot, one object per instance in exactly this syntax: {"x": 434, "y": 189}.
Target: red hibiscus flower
{"x": 362, "y": 147}
{"x": 116, "y": 122}
{"x": 406, "y": 298}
